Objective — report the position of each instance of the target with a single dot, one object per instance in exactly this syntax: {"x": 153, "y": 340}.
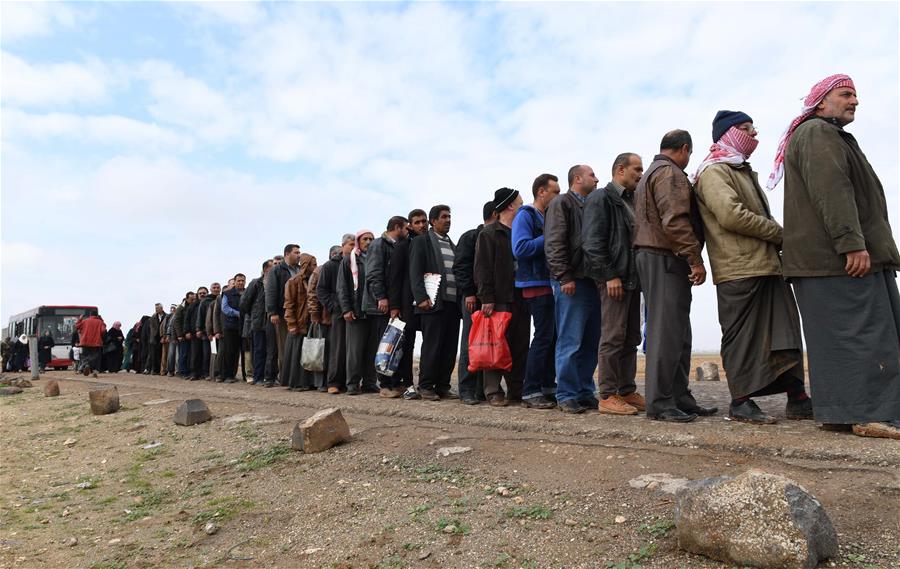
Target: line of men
{"x": 574, "y": 266}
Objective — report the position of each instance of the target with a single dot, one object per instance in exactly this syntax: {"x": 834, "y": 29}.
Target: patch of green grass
{"x": 108, "y": 500}
{"x": 109, "y": 565}
{"x": 417, "y": 511}
{"x": 459, "y": 527}
{"x": 222, "y": 509}
{"x": 150, "y": 500}
{"x": 391, "y": 562}
{"x": 500, "y": 560}
{"x": 168, "y": 473}
{"x": 247, "y": 432}
{"x": 634, "y": 559}
{"x": 61, "y": 496}
{"x": 260, "y": 458}
{"x": 530, "y": 512}
{"x": 435, "y": 472}
{"x": 658, "y": 529}
{"x": 90, "y": 482}
{"x": 152, "y": 454}
{"x": 409, "y": 546}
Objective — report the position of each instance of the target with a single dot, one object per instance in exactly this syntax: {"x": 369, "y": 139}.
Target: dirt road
{"x": 538, "y": 489}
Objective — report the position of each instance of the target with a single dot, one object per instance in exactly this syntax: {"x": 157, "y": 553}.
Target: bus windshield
{"x": 60, "y": 327}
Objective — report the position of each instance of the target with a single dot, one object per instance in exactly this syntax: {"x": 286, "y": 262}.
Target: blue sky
{"x": 149, "y": 148}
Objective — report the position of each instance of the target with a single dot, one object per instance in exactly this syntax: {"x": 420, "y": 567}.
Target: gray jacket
{"x": 378, "y": 265}
{"x": 253, "y": 303}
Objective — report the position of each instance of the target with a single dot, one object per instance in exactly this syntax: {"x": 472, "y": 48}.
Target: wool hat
{"x": 503, "y": 197}
{"x": 725, "y": 120}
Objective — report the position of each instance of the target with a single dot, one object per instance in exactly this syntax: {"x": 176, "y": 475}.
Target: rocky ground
{"x": 537, "y": 489}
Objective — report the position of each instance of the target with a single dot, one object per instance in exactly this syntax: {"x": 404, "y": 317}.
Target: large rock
{"x": 10, "y": 390}
{"x": 104, "y": 400}
{"x": 51, "y": 388}
{"x": 321, "y": 431}
{"x": 192, "y": 412}
{"x": 755, "y": 519}
{"x": 708, "y": 371}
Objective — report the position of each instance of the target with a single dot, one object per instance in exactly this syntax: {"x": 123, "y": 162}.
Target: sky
{"x": 150, "y": 148}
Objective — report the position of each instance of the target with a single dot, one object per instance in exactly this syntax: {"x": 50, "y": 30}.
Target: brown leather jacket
{"x": 296, "y": 308}
{"x": 666, "y": 216}
{"x": 316, "y": 308}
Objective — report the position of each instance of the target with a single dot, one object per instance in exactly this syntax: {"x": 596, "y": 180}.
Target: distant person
{"x": 319, "y": 315}
{"x": 495, "y": 279}
{"x": 434, "y": 254}
{"x": 203, "y": 329}
{"x": 577, "y": 305}
{"x": 19, "y": 354}
{"x": 362, "y": 339}
{"x": 45, "y": 346}
{"x": 5, "y": 353}
{"x": 296, "y": 316}
{"x": 609, "y": 224}
{"x": 90, "y": 331}
{"x": 113, "y": 348}
{"x": 533, "y": 278}
{"x": 196, "y": 371}
{"x": 181, "y": 336}
{"x": 326, "y": 291}
{"x": 170, "y": 343}
{"x": 470, "y": 383}
{"x": 154, "y": 337}
{"x": 231, "y": 328}
{"x": 840, "y": 256}
{"x": 253, "y": 307}
{"x": 668, "y": 238}
{"x": 274, "y": 283}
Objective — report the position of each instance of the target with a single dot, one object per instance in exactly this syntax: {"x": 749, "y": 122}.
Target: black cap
{"x": 725, "y": 120}
{"x": 503, "y": 197}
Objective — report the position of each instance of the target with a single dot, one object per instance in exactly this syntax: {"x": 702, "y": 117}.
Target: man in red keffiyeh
{"x": 761, "y": 343}
{"x": 841, "y": 258}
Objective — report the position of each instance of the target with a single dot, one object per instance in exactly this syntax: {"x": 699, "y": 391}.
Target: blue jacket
{"x": 528, "y": 248}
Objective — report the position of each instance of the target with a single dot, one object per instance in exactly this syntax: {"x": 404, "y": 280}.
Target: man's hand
{"x": 698, "y": 275}
{"x": 425, "y": 304}
{"x": 568, "y": 289}
{"x": 487, "y": 308}
{"x": 274, "y": 319}
{"x": 181, "y": 338}
{"x": 218, "y": 336}
{"x": 187, "y": 336}
{"x": 349, "y": 317}
{"x": 395, "y": 312}
{"x": 614, "y": 289}
{"x": 470, "y": 303}
{"x": 201, "y": 334}
{"x": 294, "y": 331}
{"x": 858, "y": 263}
{"x": 383, "y": 306}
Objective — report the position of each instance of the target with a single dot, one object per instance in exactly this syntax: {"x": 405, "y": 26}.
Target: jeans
{"x": 540, "y": 371}
{"x": 184, "y": 352}
{"x": 470, "y": 383}
{"x": 578, "y": 325}
{"x": 259, "y": 356}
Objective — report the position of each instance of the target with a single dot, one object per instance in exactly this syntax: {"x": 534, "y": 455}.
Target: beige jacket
{"x": 742, "y": 239}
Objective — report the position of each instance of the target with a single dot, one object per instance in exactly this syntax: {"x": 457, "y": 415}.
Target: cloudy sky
{"x": 149, "y": 148}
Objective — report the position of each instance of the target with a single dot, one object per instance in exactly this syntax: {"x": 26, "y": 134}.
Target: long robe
{"x": 112, "y": 350}
{"x": 761, "y": 338}
{"x": 852, "y": 330}
{"x": 45, "y": 346}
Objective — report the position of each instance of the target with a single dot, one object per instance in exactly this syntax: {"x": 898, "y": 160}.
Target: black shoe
{"x": 218, "y": 380}
{"x": 673, "y": 416}
{"x": 269, "y": 384}
{"x": 551, "y": 397}
{"x": 370, "y": 389}
{"x": 428, "y": 394}
{"x": 541, "y": 402}
{"x": 353, "y": 389}
{"x": 700, "y": 411}
{"x": 591, "y": 403}
{"x": 448, "y": 394}
{"x": 749, "y": 412}
{"x": 799, "y": 410}
{"x": 467, "y": 399}
{"x": 322, "y": 389}
{"x": 571, "y": 406}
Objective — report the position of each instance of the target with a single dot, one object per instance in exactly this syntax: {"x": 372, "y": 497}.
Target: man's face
{"x": 276, "y": 262}
{"x": 191, "y": 298}
{"x": 215, "y": 288}
{"x": 404, "y": 232}
{"x": 159, "y": 309}
{"x": 516, "y": 204}
{"x": 364, "y": 241}
{"x": 418, "y": 224}
{"x": 549, "y": 192}
{"x": 201, "y": 294}
{"x": 293, "y": 257}
{"x": 748, "y": 128}
{"x": 839, "y": 104}
{"x": 347, "y": 247}
{"x": 442, "y": 223}
{"x": 683, "y": 157}
{"x": 631, "y": 173}
{"x": 587, "y": 180}
{"x": 171, "y": 310}
{"x": 239, "y": 282}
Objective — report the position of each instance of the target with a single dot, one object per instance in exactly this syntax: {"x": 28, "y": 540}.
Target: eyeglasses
{"x": 748, "y": 128}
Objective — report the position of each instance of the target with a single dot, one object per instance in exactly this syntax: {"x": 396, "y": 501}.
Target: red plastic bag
{"x": 488, "y": 348}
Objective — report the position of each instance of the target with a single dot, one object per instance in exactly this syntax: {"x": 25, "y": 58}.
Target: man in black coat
{"x": 326, "y": 290}
{"x": 190, "y": 332}
{"x": 400, "y": 298}
{"x": 471, "y": 388}
{"x": 274, "y": 285}
{"x": 253, "y": 306}
{"x": 606, "y": 234}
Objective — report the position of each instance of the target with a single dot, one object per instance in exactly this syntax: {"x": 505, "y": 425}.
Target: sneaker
{"x": 636, "y": 400}
{"x": 616, "y": 405}
{"x": 269, "y": 384}
{"x": 388, "y": 393}
{"x": 411, "y": 393}
{"x": 333, "y": 391}
{"x": 353, "y": 389}
{"x": 673, "y": 416}
{"x": 799, "y": 410}
{"x": 749, "y": 412}
{"x": 428, "y": 395}
{"x": 571, "y": 406}
{"x": 881, "y": 430}
{"x": 497, "y": 400}
{"x": 541, "y": 402}
{"x": 467, "y": 399}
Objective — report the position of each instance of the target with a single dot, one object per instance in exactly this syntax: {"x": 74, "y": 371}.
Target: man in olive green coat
{"x": 762, "y": 350}
{"x": 840, "y": 255}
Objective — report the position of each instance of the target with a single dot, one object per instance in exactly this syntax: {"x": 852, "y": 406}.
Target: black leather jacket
{"x": 606, "y": 235}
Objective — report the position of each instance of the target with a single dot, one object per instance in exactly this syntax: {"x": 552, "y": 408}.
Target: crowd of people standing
{"x": 575, "y": 267}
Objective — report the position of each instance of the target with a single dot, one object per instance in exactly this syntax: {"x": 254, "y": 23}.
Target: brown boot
{"x": 615, "y": 405}
{"x": 881, "y": 430}
{"x": 636, "y": 400}
{"x": 497, "y": 400}
{"x": 333, "y": 391}
{"x": 386, "y": 393}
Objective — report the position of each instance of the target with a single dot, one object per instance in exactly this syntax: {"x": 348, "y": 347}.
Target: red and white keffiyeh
{"x": 816, "y": 94}
{"x": 735, "y": 147}
{"x": 355, "y": 254}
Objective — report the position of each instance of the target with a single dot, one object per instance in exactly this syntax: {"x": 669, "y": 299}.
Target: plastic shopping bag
{"x": 488, "y": 348}
{"x": 312, "y": 354}
{"x": 390, "y": 350}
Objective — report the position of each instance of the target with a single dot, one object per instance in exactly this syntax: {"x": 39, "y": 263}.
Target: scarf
{"x": 816, "y": 94}
{"x": 354, "y": 254}
{"x": 735, "y": 147}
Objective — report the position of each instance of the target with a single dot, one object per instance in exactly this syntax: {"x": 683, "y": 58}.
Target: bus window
{"x": 60, "y": 327}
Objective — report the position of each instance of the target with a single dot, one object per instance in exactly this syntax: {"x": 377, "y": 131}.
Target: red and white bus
{"x": 59, "y": 320}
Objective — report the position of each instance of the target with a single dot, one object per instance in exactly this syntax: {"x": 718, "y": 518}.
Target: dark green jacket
{"x": 833, "y": 204}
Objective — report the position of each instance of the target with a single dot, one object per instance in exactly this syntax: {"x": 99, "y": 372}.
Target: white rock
{"x": 620, "y": 519}
{"x": 665, "y": 483}
{"x": 69, "y": 442}
{"x": 447, "y": 451}
{"x": 210, "y": 528}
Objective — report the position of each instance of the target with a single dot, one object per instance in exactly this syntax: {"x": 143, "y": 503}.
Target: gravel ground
{"x": 538, "y": 489}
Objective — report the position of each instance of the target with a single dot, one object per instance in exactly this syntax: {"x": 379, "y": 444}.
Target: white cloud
{"x": 40, "y": 85}
{"x": 23, "y": 20}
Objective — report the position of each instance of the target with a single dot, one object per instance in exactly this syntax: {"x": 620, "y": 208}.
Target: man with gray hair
{"x": 326, "y": 292}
